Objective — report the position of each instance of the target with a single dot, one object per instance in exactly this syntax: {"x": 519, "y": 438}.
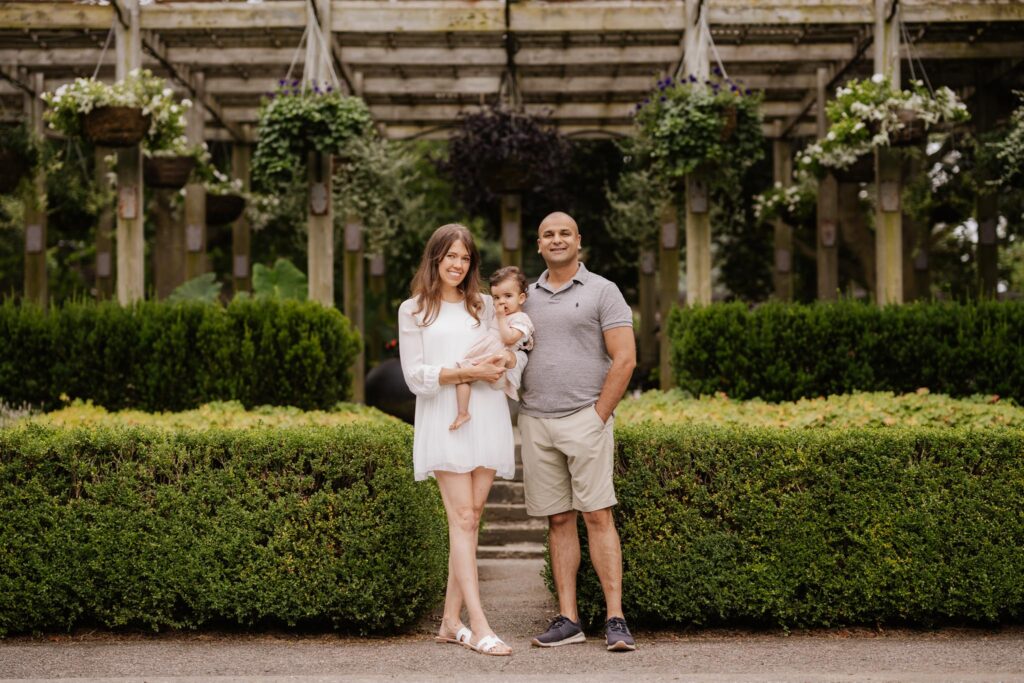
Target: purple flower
{"x": 295, "y": 83}
{"x": 664, "y": 99}
{"x": 747, "y": 91}
{"x": 715, "y": 70}
{"x": 692, "y": 79}
{"x": 330, "y": 88}
{"x": 281, "y": 82}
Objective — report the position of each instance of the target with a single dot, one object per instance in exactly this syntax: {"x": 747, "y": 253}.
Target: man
{"x": 581, "y": 363}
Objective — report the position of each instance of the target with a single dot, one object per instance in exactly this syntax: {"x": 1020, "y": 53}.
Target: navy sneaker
{"x": 619, "y": 637}
{"x": 561, "y": 631}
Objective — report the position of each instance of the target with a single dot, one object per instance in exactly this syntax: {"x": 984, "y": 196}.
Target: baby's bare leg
{"x": 462, "y": 393}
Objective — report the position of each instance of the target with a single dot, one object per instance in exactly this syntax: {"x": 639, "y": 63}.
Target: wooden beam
{"x": 217, "y": 16}
{"x": 55, "y": 16}
{"x": 183, "y": 74}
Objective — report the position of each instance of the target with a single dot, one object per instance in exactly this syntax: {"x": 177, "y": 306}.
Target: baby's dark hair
{"x": 509, "y": 273}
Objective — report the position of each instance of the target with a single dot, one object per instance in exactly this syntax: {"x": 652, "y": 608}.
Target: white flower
{"x": 186, "y": 103}
{"x": 878, "y": 79}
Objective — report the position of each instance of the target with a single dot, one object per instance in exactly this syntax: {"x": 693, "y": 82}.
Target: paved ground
{"x": 519, "y": 606}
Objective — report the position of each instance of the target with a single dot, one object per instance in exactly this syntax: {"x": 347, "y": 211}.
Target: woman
{"x": 445, "y": 316}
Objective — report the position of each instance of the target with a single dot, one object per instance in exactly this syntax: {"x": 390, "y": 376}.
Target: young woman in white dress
{"x": 446, "y": 315}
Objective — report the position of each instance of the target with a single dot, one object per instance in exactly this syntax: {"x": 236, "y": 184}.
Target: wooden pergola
{"x": 419, "y": 64}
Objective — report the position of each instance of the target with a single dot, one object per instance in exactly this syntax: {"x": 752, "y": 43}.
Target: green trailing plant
{"x": 635, "y": 207}
{"x": 1009, "y": 151}
{"x": 141, "y": 89}
{"x": 184, "y": 528}
{"x": 298, "y": 119}
{"x": 797, "y": 528}
{"x": 783, "y": 352}
{"x": 868, "y": 113}
{"x": 689, "y": 124}
{"x": 793, "y": 204}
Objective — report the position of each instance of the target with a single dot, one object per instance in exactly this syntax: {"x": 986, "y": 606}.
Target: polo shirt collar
{"x": 581, "y": 277}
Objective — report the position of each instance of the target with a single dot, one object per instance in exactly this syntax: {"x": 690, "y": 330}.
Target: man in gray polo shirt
{"x": 580, "y": 365}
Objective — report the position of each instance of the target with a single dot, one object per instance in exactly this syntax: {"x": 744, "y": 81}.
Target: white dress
{"x": 486, "y": 440}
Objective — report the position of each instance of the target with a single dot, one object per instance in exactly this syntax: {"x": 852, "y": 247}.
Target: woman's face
{"x": 454, "y": 265}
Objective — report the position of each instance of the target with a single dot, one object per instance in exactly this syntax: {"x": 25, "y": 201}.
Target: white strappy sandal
{"x": 462, "y": 637}
{"x": 487, "y": 645}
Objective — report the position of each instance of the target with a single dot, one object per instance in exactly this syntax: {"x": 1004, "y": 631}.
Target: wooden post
{"x": 648, "y": 309}
{"x": 241, "y": 231}
{"x": 511, "y": 230}
{"x": 668, "y": 285}
{"x": 168, "y": 263}
{"x": 104, "y": 231}
{"x": 131, "y": 246}
{"x": 36, "y": 285}
{"x": 320, "y": 220}
{"x": 853, "y": 226}
{"x": 782, "y": 171}
{"x": 379, "y": 289}
{"x": 354, "y": 298}
{"x": 888, "y": 166}
{"x": 986, "y": 203}
{"x": 195, "y": 193}
{"x": 828, "y": 212}
{"x": 698, "y": 200}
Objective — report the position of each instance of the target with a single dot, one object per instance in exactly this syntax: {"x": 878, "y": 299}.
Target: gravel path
{"x": 519, "y": 606}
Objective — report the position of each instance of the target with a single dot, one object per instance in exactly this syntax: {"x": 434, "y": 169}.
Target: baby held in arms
{"x": 513, "y": 331}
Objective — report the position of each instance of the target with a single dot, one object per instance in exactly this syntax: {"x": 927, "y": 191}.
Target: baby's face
{"x": 507, "y": 297}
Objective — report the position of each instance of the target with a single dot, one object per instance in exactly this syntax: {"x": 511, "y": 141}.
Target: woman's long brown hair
{"x": 426, "y": 285}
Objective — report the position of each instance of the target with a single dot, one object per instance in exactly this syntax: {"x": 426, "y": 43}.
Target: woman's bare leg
{"x": 462, "y": 393}
{"x": 464, "y": 495}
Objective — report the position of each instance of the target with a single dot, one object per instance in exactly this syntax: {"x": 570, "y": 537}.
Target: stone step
{"x": 505, "y": 533}
{"x": 512, "y": 551}
{"x": 506, "y": 492}
{"x": 505, "y": 512}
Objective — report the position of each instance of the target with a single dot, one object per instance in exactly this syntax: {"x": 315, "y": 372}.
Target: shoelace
{"x": 617, "y": 625}
{"x": 558, "y": 621}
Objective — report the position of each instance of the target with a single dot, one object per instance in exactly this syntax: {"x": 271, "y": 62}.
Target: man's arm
{"x": 622, "y": 350}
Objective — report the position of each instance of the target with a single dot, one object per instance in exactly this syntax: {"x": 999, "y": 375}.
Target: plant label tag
{"x": 782, "y": 260}
{"x": 670, "y": 235}
{"x": 353, "y": 236}
{"x": 696, "y": 195}
{"x": 318, "y": 199}
{"x": 194, "y": 237}
{"x": 510, "y": 234}
{"x": 33, "y": 238}
{"x": 103, "y": 264}
{"x": 377, "y": 265}
{"x": 240, "y": 267}
{"x": 828, "y": 233}
{"x": 889, "y": 195}
{"x": 647, "y": 262}
{"x": 127, "y": 201}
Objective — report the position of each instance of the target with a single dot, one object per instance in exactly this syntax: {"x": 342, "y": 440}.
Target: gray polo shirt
{"x": 570, "y": 361}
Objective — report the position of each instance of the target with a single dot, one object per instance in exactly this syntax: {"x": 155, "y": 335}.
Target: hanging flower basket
{"x": 115, "y": 126}
{"x": 168, "y": 173}
{"x": 913, "y": 133}
{"x": 223, "y": 208}
{"x": 12, "y": 169}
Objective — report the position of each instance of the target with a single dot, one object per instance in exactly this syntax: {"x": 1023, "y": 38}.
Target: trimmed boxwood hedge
{"x": 801, "y": 528}
{"x": 781, "y": 352}
{"x": 146, "y": 527}
{"x": 172, "y": 356}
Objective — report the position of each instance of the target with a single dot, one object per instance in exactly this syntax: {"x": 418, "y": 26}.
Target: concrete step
{"x": 506, "y": 492}
{"x": 505, "y": 533}
{"x": 512, "y": 551}
{"x": 495, "y": 513}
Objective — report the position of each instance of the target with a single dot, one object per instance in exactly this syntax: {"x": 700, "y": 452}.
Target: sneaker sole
{"x": 578, "y": 638}
{"x": 621, "y": 646}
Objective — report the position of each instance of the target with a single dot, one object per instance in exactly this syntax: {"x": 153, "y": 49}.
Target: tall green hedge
{"x": 783, "y": 352}
{"x": 801, "y": 528}
{"x": 162, "y": 356}
{"x": 156, "y": 528}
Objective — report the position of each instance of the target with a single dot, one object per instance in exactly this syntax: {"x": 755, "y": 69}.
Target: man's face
{"x": 558, "y": 242}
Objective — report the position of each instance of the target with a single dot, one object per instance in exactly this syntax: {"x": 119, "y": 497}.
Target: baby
{"x": 514, "y": 331}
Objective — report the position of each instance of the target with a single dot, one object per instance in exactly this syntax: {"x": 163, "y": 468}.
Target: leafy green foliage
{"x": 688, "y": 124}
{"x": 204, "y": 288}
{"x": 781, "y": 352}
{"x": 822, "y": 527}
{"x": 295, "y": 121}
{"x": 257, "y": 526}
{"x": 1009, "y": 151}
{"x": 283, "y": 281}
{"x": 163, "y": 356}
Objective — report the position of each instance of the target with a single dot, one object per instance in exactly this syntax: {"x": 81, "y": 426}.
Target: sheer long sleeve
{"x": 422, "y": 378}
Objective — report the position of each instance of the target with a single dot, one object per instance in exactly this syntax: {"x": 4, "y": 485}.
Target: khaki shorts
{"x": 567, "y": 463}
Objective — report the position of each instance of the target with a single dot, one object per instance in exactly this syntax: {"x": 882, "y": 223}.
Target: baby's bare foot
{"x": 460, "y": 419}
